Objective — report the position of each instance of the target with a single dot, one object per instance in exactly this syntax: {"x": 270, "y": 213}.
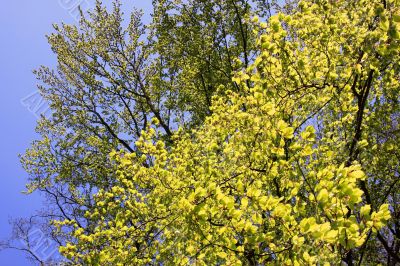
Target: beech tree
{"x": 224, "y": 133}
{"x": 113, "y": 77}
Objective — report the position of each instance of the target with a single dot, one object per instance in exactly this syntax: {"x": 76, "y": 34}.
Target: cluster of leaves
{"x": 233, "y": 139}
{"x": 235, "y": 192}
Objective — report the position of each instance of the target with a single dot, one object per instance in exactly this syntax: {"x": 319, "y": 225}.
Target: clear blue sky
{"x": 23, "y": 47}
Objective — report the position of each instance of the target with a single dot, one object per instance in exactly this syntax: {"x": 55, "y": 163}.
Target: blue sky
{"x": 23, "y": 47}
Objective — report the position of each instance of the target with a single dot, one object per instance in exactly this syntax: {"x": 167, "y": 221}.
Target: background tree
{"x": 114, "y": 77}
{"x": 296, "y": 106}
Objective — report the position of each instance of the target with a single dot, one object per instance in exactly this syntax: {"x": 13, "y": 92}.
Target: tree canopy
{"x": 224, "y": 133}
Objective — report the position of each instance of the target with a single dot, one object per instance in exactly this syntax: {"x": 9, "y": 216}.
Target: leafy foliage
{"x": 113, "y": 77}
{"x": 273, "y": 140}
